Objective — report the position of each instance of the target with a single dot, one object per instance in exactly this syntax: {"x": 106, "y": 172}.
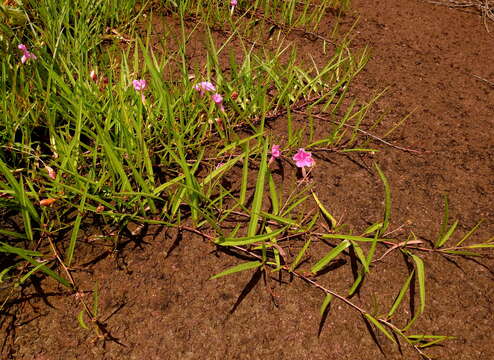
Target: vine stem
{"x": 316, "y": 285}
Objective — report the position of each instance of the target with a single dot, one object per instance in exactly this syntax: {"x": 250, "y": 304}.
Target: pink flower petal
{"x": 217, "y": 98}
{"x": 275, "y": 151}
{"x": 303, "y": 158}
{"x": 139, "y": 85}
{"x": 204, "y": 86}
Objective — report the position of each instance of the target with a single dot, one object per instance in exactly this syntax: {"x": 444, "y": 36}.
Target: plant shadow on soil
{"x": 156, "y": 297}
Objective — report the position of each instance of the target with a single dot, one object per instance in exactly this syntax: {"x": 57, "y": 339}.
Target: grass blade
{"x": 258, "y": 195}
{"x": 330, "y": 256}
{"x": 387, "y": 200}
{"x": 325, "y": 304}
{"x": 73, "y": 237}
{"x": 442, "y": 240}
{"x": 241, "y": 267}
{"x": 249, "y": 239}
{"x": 421, "y": 278}
{"x": 380, "y": 327}
{"x": 470, "y": 233}
{"x": 401, "y": 294}
{"x": 300, "y": 254}
{"x": 325, "y": 212}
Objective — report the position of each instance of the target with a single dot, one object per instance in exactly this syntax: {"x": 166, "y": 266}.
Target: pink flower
{"x": 218, "y": 100}
{"x": 233, "y": 2}
{"x": 204, "y": 86}
{"x": 26, "y": 54}
{"x": 275, "y": 151}
{"x": 303, "y": 158}
{"x": 139, "y": 85}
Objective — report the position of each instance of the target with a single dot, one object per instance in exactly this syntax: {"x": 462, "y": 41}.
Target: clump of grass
{"x": 126, "y": 134}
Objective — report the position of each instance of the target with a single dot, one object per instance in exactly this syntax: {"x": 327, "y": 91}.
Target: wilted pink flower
{"x": 303, "y": 158}
{"x": 26, "y": 54}
{"x": 93, "y": 75}
{"x": 51, "y": 173}
{"x": 139, "y": 85}
{"x": 218, "y": 100}
{"x": 204, "y": 86}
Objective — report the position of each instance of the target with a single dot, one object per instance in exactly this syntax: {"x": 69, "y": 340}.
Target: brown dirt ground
{"x": 157, "y": 296}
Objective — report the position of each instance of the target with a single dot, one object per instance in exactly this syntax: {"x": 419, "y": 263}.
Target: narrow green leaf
{"x": 245, "y": 175}
{"x": 442, "y": 240}
{"x": 359, "y": 150}
{"x": 259, "y": 193}
{"x": 360, "y": 255}
{"x": 428, "y": 340}
{"x": 6, "y": 248}
{"x": 356, "y": 283}
{"x": 29, "y": 273}
{"x": 12, "y": 234}
{"x": 294, "y": 205}
{"x": 444, "y": 224}
{"x": 241, "y": 142}
{"x": 353, "y": 238}
{"x": 26, "y": 214}
{"x": 220, "y": 170}
{"x": 401, "y": 294}
{"x": 371, "y": 229}
{"x": 4, "y": 272}
{"x": 462, "y": 253}
{"x": 479, "y": 246}
{"x": 75, "y": 231}
{"x": 372, "y": 250}
{"x": 325, "y": 212}
{"x": 46, "y": 270}
{"x": 387, "y": 201}
{"x": 300, "y": 254}
{"x": 330, "y": 256}
{"x": 20, "y": 193}
{"x": 312, "y": 222}
{"x": 280, "y": 219}
{"x": 470, "y": 233}
{"x": 80, "y": 319}
{"x": 325, "y": 303}
{"x": 113, "y": 158}
{"x": 249, "y": 239}
{"x": 241, "y": 267}
{"x": 27, "y": 255}
{"x": 421, "y": 278}
{"x": 380, "y": 327}
{"x": 273, "y": 193}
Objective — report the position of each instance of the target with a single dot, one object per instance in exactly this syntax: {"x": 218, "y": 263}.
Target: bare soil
{"x": 155, "y": 296}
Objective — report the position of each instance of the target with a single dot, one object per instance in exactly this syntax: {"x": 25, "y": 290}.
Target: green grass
{"x": 97, "y": 150}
